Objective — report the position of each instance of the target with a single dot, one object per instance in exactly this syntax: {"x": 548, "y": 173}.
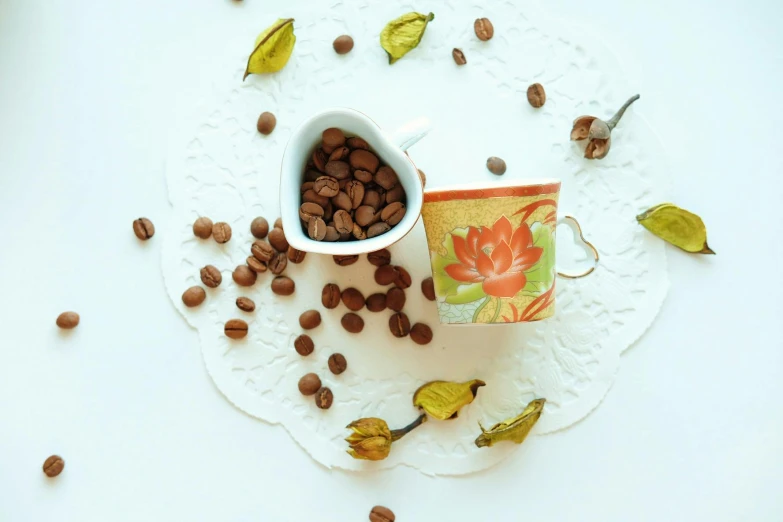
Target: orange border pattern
{"x": 500, "y": 192}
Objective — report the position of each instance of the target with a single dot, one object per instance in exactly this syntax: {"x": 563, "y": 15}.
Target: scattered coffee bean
{"x": 243, "y": 276}
{"x": 379, "y": 257}
{"x": 361, "y": 159}
{"x": 366, "y": 215}
{"x": 259, "y": 227}
{"x": 399, "y": 325}
{"x": 143, "y": 228}
{"x": 340, "y": 153}
{"x": 296, "y": 256}
{"x": 256, "y": 265}
{"x": 376, "y": 303}
{"x": 304, "y": 345}
{"x": 309, "y": 384}
{"x": 221, "y": 232}
{"x": 403, "y": 279}
{"x": 202, "y": 227}
{"x": 395, "y": 299}
{"x": 357, "y": 143}
{"x": 358, "y": 232}
{"x": 393, "y": 213}
{"x": 235, "y": 328}
{"x": 377, "y": 229}
{"x": 324, "y": 398}
{"x": 53, "y": 466}
{"x": 282, "y": 285}
{"x": 310, "y": 210}
{"x": 278, "y": 263}
{"x": 310, "y": 319}
{"x": 245, "y": 304}
{"x": 337, "y": 363}
{"x": 363, "y": 176}
{"x": 483, "y": 28}
{"x": 459, "y": 56}
{"x": 355, "y": 191}
{"x": 372, "y": 198}
{"x": 385, "y": 275}
{"x": 338, "y": 169}
{"x": 211, "y": 277}
{"x": 262, "y": 251}
{"x": 395, "y": 194}
{"x": 343, "y": 44}
{"x": 345, "y": 260}
{"x": 496, "y": 165}
{"x": 68, "y": 320}
{"x": 536, "y": 95}
{"x": 386, "y": 177}
{"x": 352, "y": 322}
{"x": 353, "y": 299}
{"x": 333, "y": 138}
{"x": 381, "y": 514}
{"x": 277, "y": 240}
{"x": 266, "y": 123}
{"x": 316, "y": 229}
{"x": 330, "y": 296}
{"x": 279, "y": 223}
{"x": 326, "y": 186}
{"x": 421, "y": 333}
{"x": 428, "y": 288}
{"x": 193, "y": 296}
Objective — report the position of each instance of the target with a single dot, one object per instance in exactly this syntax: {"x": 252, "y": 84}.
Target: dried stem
{"x": 398, "y": 434}
{"x": 616, "y": 118}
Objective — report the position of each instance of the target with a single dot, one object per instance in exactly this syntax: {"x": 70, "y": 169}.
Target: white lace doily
{"x": 222, "y": 168}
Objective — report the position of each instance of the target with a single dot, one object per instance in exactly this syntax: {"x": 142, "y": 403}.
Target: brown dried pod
{"x": 598, "y": 132}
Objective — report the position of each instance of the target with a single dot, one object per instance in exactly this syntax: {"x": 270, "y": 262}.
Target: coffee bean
{"x": 259, "y": 227}
{"x": 320, "y": 158}
{"x": 202, "y": 227}
{"x": 328, "y": 212}
{"x": 309, "y": 384}
{"x": 355, "y": 191}
{"x": 377, "y": 229}
{"x": 333, "y": 138}
{"x": 296, "y": 256}
{"x": 347, "y": 236}
{"x": 304, "y": 345}
{"x": 395, "y": 299}
{"x": 397, "y": 193}
{"x": 379, "y": 257}
{"x": 310, "y": 177}
{"x": 361, "y": 159}
{"x": 496, "y": 165}
{"x": 358, "y": 232}
{"x": 363, "y": 176}
{"x": 357, "y": 143}
{"x": 279, "y": 223}
{"x": 352, "y": 322}
{"x": 330, "y": 296}
{"x": 326, "y": 186}
{"x": 324, "y": 398}
{"x": 338, "y": 169}
{"x": 381, "y": 514}
{"x": 191, "y": 297}
{"x": 366, "y": 215}
{"x": 342, "y": 201}
{"x": 310, "y": 319}
{"x": 308, "y": 185}
{"x": 385, "y": 275}
{"x": 339, "y": 154}
{"x": 421, "y": 333}
{"x": 345, "y": 260}
{"x": 282, "y": 285}
{"x": 262, "y": 251}
{"x": 343, "y": 221}
{"x": 459, "y": 56}
{"x": 53, "y": 466}
{"x": 536, "y": 95}
{"x": 255, "y": 265}
{"x": 277, "y": 240}
{"x": 372, "y": 198}
{"x": 399, "y": 325}
{"x": 331, "y": 234}
{"x": 353, "y": 299}
{"x": 243, "y": 276}
{"x": 343, "y": 44}
{"x": 211, "y": 277}
{"x": 428, "y": 289}
{"x": 311, "y": 196}
{"x": 483, "y": 28}
{"x": 423, "y": 177}
{"x": 337, "y": 363}
{"x": 245, "y": 304}
{"x": 310, "y": 210}
{"x": 316, "y": 229}
{"x": 403, "y": 279}
{"x": 376, "y": 303}
{"x": 278, "y": 263}
{"x": 266, "y": 123}
{"x": 68, "y": 320}
{"x": 393, "y": 213}
{"x": 221, "y": 232}
{"x": 386, "y": 177}
{"x": 143, "y": 228}
{"x": 235, "y": 328}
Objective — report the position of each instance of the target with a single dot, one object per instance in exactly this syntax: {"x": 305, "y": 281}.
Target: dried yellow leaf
{"x": 679, "y": 227}
{"x": 442, "y": 399}
{"x": 403, "y": 34}
{"x": 514, "y": 429}
{"x": 272, "y": 49}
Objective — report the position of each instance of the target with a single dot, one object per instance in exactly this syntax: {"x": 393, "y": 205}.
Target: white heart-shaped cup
{"x": 389, "y": 148}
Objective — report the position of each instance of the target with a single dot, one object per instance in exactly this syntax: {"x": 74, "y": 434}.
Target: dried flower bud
{"x": 371, "y": 438}
{"x": 598, "y": 132}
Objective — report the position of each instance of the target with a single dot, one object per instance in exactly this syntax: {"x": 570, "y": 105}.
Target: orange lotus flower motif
{"x": 496, "y": 256}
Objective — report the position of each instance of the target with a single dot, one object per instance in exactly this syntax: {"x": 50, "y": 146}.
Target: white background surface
{"x": 692, "y": 429}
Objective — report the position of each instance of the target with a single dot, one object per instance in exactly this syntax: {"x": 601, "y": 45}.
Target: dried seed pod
{"x": 679, "y": 227}
{"x": 598, "y": 132}
{"x": 514, "y": 429}
{"x": 443, "y": 400}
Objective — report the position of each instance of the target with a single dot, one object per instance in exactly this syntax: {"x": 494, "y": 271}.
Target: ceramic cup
{"x": 492, "y": 250}
{"x": 390, "y": 148}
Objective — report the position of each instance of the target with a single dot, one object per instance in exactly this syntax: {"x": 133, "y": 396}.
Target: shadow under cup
{"x": 492, "y": 251}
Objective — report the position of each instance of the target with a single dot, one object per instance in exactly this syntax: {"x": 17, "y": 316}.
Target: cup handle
{"x": 411, "y": 132}
{"x": 574, "y": 224}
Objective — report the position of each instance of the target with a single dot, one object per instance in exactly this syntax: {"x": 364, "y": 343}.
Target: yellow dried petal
{"x": 514, "y": 429}
{"x": 272, "y": 49}
{"x": 403, "y": 34}
{"x": 373, "y": 448}
{"x": 679, "y": 227}
{"x": 369, "y": 427}
{"x": 442, "y": 399}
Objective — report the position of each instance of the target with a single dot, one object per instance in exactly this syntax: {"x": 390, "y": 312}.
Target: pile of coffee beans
{"x": 348, "y": 194}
